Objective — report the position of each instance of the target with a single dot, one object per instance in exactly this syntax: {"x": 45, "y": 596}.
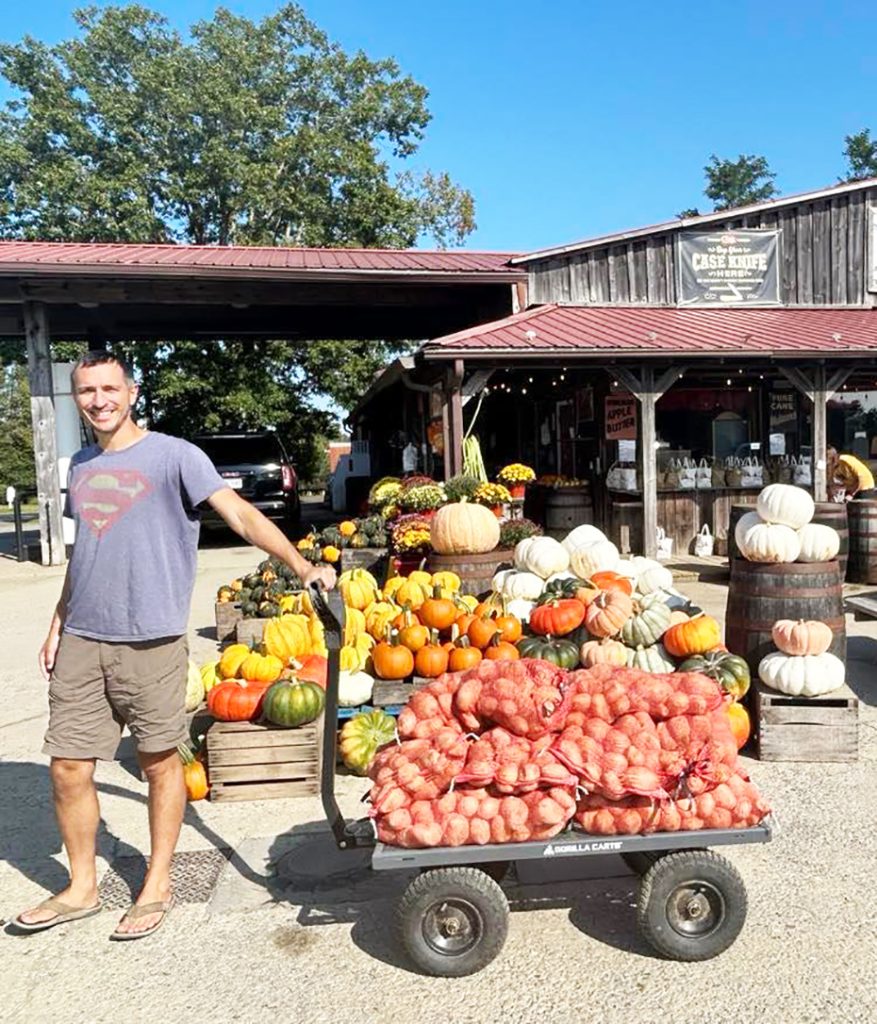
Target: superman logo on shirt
{"x": 100, "y": 498}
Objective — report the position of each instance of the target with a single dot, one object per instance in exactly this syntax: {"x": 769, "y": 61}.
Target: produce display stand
{"x": 820, "y": 728}
{"x": 453, "y": 918}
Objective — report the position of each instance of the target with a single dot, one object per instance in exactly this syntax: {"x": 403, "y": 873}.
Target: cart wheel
{"x": 453, "y": 921}
{"x": 692, "y": 905}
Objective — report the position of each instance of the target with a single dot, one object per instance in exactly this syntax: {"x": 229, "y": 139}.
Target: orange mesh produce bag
{"x": 417, "y": 769}
{"x": 513, "y": 764}
{"x": 608, "y": 693}
{"x": 478, "y": 816}
{"x": 732, "y": 804}
{"x": 697, "y": 752}
{"x": 614, "y": 759}
{"x": 527, "y": 698}
{"x": 430, "y": 710}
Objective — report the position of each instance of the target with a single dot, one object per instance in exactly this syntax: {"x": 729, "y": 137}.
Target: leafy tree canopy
{"x": 860, "y": 151}
{"x": 730, "y": 183}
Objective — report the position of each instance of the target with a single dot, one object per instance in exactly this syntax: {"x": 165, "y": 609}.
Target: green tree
{"x": 253, "y": 133}
{"x": 860, "y": 151}
{"x": 16, "y": 438}
{"x": 731, "y": 183}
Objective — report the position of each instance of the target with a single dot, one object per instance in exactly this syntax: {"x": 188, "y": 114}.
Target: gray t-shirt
{"x": 133, "y": 565}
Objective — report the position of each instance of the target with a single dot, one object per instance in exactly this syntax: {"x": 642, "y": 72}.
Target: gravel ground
{"x": 806, "y": 954}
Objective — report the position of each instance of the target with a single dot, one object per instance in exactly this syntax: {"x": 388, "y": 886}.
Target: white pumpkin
{"x": 561, "y": 576}
{"x": 526, "y": 585}
{"x": 744, "y": 523}
{"x": 786, "y": 505}
{"x": 771, "y": 542}
{"x": 354, "y": 688}
{"x": 194, "y": 686}
{"x": 652, "y": 576}
{"x": 584, "y": 534}
{"x": 542, "y": 555}
{"x": 520, "y": 608}
{"x": 807, "y": 675}
{"x": 598, "y": 556}
{"x": 819, "y": 543}
{"x": 627, "y": 567}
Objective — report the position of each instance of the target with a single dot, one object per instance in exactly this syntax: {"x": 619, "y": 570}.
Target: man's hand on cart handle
{"x": 322, "y": 576}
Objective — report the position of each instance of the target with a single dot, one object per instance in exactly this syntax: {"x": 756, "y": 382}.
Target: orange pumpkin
{"x": 740, "y": 723}
{"x": 510, "y": 628}
{"x": 612, "y": 581}
{"x": 481, "y": 631}
{"x": 607, "y": 613}
{"x": 500, "y": 650}
{"x": 392, "y": 660}
{"x": 587, "y": 592}
{"x": 414, "y": 636}
{"x": 236, "y": 700}
{"x": 695, "y": 636}
{"x": 312, "y": 668}
{"x": 463, "y": 656}
{"x": 194, "y": 774}
{"x": 431, "y": 660}
{"x": 438, "y": 612}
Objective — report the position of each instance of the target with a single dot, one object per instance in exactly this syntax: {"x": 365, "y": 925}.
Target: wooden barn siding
{"x": 822, "y": 260}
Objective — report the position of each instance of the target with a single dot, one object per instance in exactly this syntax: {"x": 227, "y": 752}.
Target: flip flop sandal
{"x": 63, "y": 913}
{"x": 143, "y": 910}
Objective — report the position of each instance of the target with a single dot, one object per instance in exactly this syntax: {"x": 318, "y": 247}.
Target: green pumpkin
{"x": 362, "y": 736}
{"x": 650, "y": 659}
{"x": 292, "y": 704}
{"x": 250, "y": 609}
{"x": 253, "y": 580}
{"x": 730, "y": 671}
{"x": 359, "y": 540}
{"x": 555, "y": 589}
{"x": 561, "y": 652}
{"x": 268, "y": 609}
{"x": 647, "y": 625}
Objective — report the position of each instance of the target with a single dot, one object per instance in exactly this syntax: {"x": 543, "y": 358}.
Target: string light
{"x": 523, "y": 391}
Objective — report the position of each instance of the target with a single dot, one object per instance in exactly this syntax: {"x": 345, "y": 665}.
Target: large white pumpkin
{"x": 651, "y": 575}
{"x": 598, "y": 556}
{"x": 584, "y": 534}
{"x": 543, "y": 556}
{"x": 744, "y": 523}
{"x": 807, "y": 675}
{"x": 786, "y": 505}
{"x": 512, "y": 584}
{"x": 771, "y": 542}
{"x": 819, "y": 543}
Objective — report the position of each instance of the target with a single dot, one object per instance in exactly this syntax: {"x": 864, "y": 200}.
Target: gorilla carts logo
{"x": 101, "y": 499}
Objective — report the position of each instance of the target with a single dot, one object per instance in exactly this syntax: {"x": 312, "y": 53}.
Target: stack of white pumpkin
{"x": 802, "y": 665}
{"x": 582, "y": 553}
{"x": 780, "y": 529}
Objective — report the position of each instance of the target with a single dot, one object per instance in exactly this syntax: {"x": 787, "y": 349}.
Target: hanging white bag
{"x": 704, "y": 475}
{"x": 665, "y": 544}
{"x": 688, "y": 475}
{"x": 704, "y": 542}
{"x": 802, "y": 472}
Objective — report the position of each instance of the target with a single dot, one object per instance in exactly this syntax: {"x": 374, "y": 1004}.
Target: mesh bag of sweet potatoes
{"x": 495, "y": 754}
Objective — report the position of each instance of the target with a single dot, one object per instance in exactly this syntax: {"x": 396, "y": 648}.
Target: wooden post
{"x": 647, "y": 389}
{"x": 818, "y": 387}
{"x": 452, "y": 420}
{"x": 42, "y": 411}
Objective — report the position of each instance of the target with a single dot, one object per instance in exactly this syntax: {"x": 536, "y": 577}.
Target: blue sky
{"x": 569, "y": 119}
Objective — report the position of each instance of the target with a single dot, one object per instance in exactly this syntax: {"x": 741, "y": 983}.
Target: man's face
{"x": 103, "y": 396}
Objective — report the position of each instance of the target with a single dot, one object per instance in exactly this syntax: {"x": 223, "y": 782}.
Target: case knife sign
{"x": 733, "y": 268}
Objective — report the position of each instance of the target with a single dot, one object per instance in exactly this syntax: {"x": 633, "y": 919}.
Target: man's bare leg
{"x": 167, "y": 804}
{"x": 78, "y": 814}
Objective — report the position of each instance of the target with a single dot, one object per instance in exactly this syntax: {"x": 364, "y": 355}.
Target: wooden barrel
{"x": 476, "y": 571}
{"x": 566, "y": 508}
{"x": 760, "y": 593}
{"x": 862, "y": 566}
{"x": 834, "y": 514}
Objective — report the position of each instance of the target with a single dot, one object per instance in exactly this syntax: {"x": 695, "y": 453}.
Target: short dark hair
{"x": 99, "y": 357}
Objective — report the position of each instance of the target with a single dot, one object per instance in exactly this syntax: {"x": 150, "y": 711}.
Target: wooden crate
{"x": 249, "y": 631}
{"x": 251, "y": 761}
{"x": 822, "y": 728}
{"x": 388, "y": 692}
{"x": 228, "y": 615}
{"x": 372, "y": 559}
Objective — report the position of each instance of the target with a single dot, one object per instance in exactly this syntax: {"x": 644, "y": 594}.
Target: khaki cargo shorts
{"x": 97, "y": 687}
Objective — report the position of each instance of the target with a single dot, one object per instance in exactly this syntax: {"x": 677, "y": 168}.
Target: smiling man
{"x": 116, "y": 653}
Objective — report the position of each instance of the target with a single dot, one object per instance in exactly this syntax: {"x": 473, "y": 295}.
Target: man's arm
{"x": 249, "y": 523}
{"x": 50, "y": 645}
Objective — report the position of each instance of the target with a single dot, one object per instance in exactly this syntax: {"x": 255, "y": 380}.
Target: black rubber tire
{"x": 453, "y": 921}
{"x": 692, "y": 905}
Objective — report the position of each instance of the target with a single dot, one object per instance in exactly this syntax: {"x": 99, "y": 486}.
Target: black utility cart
{"x": 453, "y": 918}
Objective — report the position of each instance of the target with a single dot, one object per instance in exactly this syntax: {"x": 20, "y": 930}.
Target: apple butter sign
{"x": 728, "y": 268}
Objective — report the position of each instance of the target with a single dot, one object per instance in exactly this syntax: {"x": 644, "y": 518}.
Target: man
{"x": 116, "y": 652}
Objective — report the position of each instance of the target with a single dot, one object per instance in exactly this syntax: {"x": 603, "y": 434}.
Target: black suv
{"x": 258, "y": 468}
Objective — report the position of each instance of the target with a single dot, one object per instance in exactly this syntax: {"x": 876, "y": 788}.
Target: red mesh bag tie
{"x": 513, "y": 764}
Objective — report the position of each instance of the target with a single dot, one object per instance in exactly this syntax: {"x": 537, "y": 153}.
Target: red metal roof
{"x": 649, "y": 331}
{"x": 73, "y": 256}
